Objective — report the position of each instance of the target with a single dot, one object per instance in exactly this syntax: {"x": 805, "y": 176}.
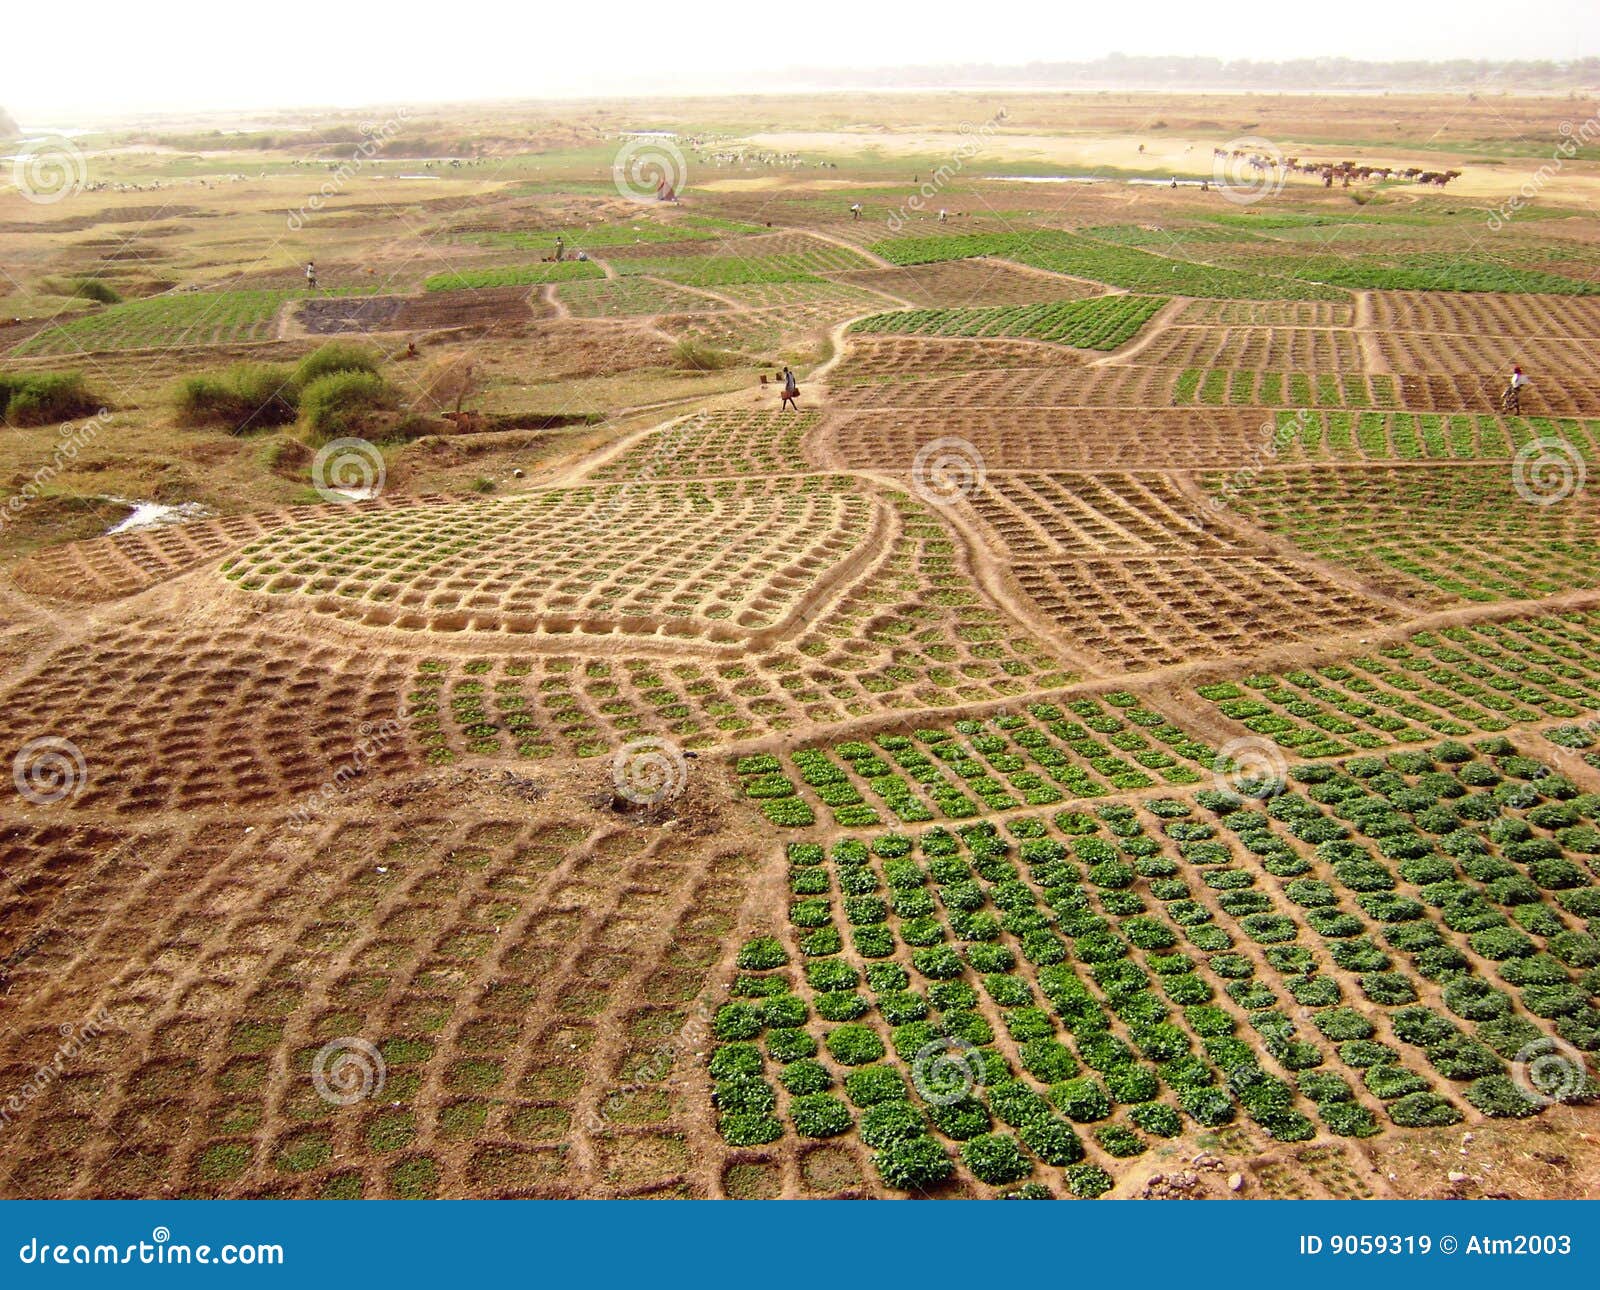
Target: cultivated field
{"x": 1133, "y": 731}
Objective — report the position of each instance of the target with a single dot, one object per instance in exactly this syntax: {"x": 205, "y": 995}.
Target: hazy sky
{"x": 96, "y": 56}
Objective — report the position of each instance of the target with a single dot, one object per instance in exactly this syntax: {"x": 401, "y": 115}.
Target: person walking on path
{"x": 791, "y": 391}
{"x": 1512, "y": 400}
{"x": 311, "y": 276}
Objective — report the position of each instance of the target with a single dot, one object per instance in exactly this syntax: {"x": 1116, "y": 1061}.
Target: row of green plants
{"x": 514, "y": 275}
{"x": 1084, "y": 748}
{"x": 1108, "y": 262}
{"x": 1104, "y": 322}
{"x": 1216, "y": 386}
{"x": 1455, "y": 682}
{"x": 169, "y": 321}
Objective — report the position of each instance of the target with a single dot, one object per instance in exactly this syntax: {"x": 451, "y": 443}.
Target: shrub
{"x": 733, "y": 1060}
{"x": 1348, "y": 1119}
{"x": 736, "y": 1021}
{"x": 1087, "y": 1181}
{"x": 885, "y": 1123}
{"x": 1053, "y": 1141}
{"x": 335, "y": 356}
{"x": 806, "y": 1076}
{"x": 1391, "y": 1080}
{"x": 1048, "y": 1061}
{"x": 1499, "y": 1097}
{"x": 344, "y": 403}
{"x": 1341, "y": 1024}
{"x": 790, "y": 1043}
{"x": 900, "y": 1006}
{"x": 840, "y": 1005}
{"x": 44, "y": 398}
{"x": 962, "y": 1119}
{"x": 746, "y": 1129}
{"x": 247, "y": 396}
{"x": 744, "y": 1093}
{"x": 1120, "y": 1141}
{"x": 854, "y": 1045}
{"x": 1157, "y": 1118}
{"x": 1424, "y": 1111}
{"x": 995, "y": 1158}
{"x": 762, "y": 953}
{"x": 783, "y": 1010}
{"x": 819, "y": 1115}
{"x": 913, "y": 1165}
{"x": 874, "y": 1084}
{"x": 938, "y": 963}
{"x": 1081, "y": 1100}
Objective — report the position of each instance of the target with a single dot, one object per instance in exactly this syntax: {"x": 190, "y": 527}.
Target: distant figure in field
{"x": 943, "y": 215}
{"x": 791, "y": 391}
{"x": 311, "y": 276}
{"x": 855, "y": 211}
{"x": 1512, "y": 400}
{"x": 561, "y": 249}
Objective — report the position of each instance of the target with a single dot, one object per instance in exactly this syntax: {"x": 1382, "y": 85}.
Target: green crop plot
{"x": 1105, "y": 322}
{"x": 192, "y": 318}
{"x": 515, "y": 275}
{"x": 1166, "y": 967}
{"x": 1108, "y": 262}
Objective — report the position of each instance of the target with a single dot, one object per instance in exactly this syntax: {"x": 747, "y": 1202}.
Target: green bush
{"x": 44, "y": 398}
{"x": 1424, "y": 1111}
{"x": 335, "y": 356}
{"x": 736, "y": 1021}
{"x": 819, "y": 1115}
{"x": 874, "y": 1084}
{"x": 914, "y": 1165}
{"x": 1156, "y": 1118}
{"x": 1499, "y": 1097}
{"x": 840, "y": 1005}
{"x": 343, "y": 403}
{"x": 885, "y": 1123}
{"x": 995, "y": 1158}
{"x": 761, "y": 954}
{"x": 790, "y": 1044}
{"x": 806, "y": 1076}
{"x": 1081, "y": 1100}
{"x": 854, "y": 1045}
{"x": 743, "y": 1093}
{"x": 745, "y": 1129}
{"x": 1120, "y": 1141}
{"x": 1087, "y": 1181}
{"x": 962, "y": 1119}
{"x": 730, "y": 1061}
